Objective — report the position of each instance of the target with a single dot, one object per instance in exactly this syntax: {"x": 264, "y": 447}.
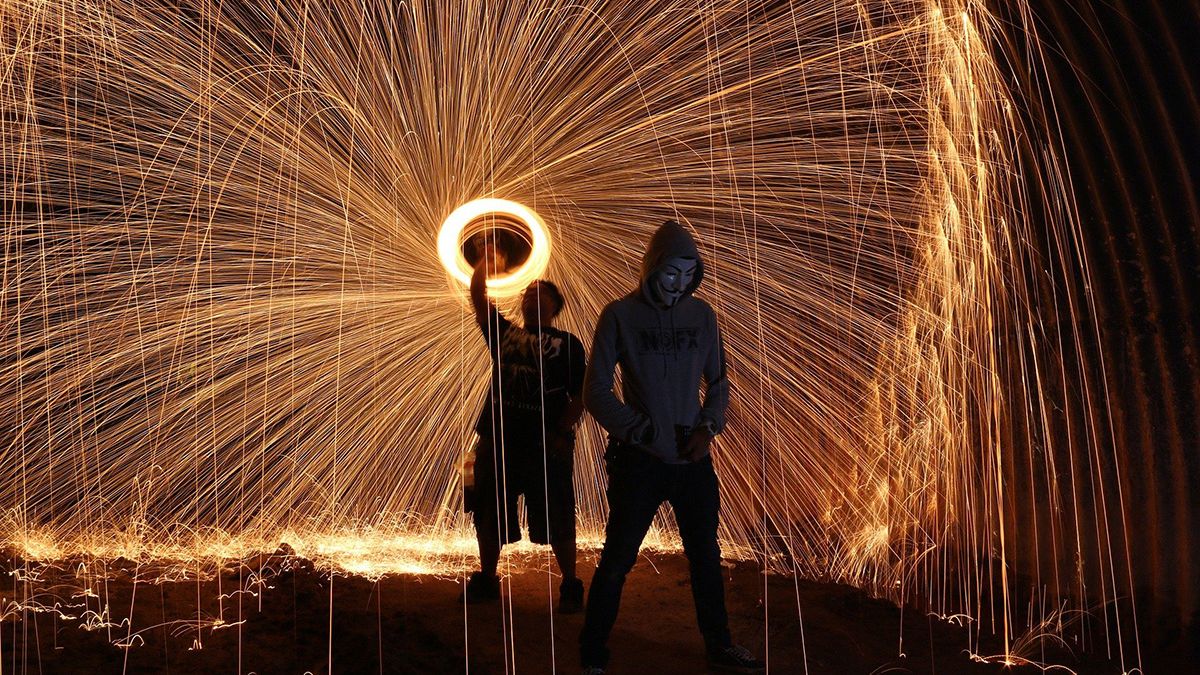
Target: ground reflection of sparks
{"x": 225, "y": 324}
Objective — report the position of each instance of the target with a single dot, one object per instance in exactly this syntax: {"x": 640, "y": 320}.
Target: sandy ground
{"x": 417, "y": 624}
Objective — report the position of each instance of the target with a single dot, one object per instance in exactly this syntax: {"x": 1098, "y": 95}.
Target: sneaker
{"x": 592, "y": 670}
{"x": 480, "y": 588}
{"x": 570, "y": 596}
{"x": 735, "y": 659}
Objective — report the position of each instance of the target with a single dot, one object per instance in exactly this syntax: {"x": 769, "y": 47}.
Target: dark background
{"x": 1123, "y": 79}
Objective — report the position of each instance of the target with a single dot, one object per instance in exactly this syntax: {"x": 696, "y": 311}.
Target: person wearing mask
{"x": 666, "y": 343}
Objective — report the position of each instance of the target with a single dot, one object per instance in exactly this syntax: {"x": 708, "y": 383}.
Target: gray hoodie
{"x": 663, "y": 353}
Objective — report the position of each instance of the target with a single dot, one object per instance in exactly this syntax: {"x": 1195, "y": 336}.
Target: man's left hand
{"x": 697, "y": 444}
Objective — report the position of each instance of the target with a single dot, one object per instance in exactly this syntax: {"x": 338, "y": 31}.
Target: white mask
{"x": 673, "y": 278}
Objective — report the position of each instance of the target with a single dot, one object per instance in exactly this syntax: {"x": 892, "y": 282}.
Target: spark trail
{"x": 225, "y": 321}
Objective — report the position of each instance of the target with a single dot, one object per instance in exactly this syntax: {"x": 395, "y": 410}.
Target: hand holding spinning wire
{"x": 493, "y": 259}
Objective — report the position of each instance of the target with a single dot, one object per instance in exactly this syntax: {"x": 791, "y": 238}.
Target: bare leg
{"x": 564, "y": 553}
{"x": 489, "y": 552}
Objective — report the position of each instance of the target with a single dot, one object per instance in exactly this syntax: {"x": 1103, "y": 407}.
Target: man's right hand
{"x": 491, "y": 262}
{"x": 493, "y": 259}
{"x": 645, "y": 435}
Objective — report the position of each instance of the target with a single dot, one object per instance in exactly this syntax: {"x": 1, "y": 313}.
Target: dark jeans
{"x": 637, "y": 485}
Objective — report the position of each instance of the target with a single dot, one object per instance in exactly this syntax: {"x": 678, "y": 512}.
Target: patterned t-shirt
{"x": 530, "y": 372}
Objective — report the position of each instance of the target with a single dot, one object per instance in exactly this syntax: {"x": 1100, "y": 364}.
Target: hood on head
{"x": 670, "y": 240}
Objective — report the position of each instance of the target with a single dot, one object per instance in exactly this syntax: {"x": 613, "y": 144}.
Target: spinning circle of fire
{"x": 480, "y": 215}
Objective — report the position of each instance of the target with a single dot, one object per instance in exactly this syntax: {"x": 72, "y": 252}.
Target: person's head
{"x": 673, "y": 279}
{"x": 540, "y": 303}
{"x": 671, "y": 266}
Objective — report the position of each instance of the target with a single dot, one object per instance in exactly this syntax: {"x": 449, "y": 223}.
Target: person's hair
{"x": 547, "y": 286}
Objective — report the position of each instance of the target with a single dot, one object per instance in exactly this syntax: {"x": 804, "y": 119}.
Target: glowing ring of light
{"x": 450, "y": 248}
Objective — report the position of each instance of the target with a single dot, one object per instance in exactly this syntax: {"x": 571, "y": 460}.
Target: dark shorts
{"x": 548, "y": 487}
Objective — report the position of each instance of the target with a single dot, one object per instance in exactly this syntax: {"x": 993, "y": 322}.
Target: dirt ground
{"x": 417, "y": 624}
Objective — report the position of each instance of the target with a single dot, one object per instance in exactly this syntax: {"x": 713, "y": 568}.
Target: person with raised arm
{"x": 526, "y": 432}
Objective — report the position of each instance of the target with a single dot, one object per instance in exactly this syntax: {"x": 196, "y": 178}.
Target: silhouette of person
{"x": 666, "y": 342}
{"x": 526, "y": 432}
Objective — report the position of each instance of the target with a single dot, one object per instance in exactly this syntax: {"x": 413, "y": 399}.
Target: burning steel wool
{"x": 229, "y": 321}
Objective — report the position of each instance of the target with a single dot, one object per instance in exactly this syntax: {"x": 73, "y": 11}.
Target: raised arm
{"x": 479, "y": 298}
{"x": 491, "y": 262}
